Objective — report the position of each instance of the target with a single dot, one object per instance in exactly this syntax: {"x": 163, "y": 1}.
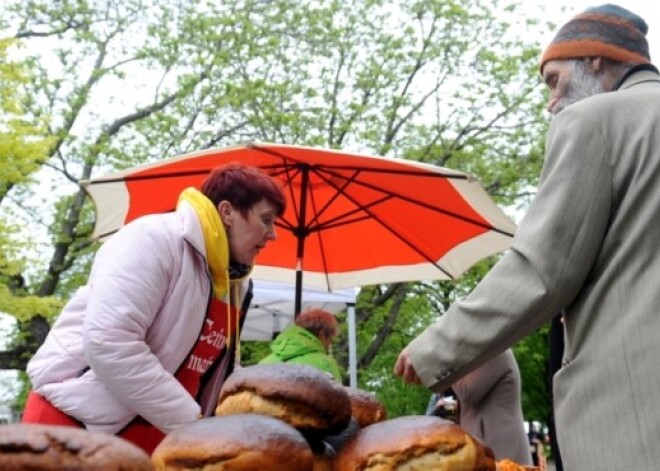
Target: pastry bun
{"x": 300, "y": 395}
{"x": 365, "y": 407}
{"x": 420, "y": 443}
{"x": 53, "y": 447}
{"x": 244, "y": 442}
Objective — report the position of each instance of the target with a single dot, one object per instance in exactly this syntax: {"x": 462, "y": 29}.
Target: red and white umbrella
{"x": 351, "y": 219}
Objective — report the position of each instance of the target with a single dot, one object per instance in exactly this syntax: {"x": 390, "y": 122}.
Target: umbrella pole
{"x": 352, "y": 347}
{"x": 301, "y": 234}
{"x": 298, "y": 301}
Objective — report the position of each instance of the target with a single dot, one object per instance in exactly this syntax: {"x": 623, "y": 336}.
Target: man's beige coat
{"x": 589, "y": 244}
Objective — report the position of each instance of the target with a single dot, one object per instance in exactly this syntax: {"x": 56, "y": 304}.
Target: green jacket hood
{"x": 298, "y": 345}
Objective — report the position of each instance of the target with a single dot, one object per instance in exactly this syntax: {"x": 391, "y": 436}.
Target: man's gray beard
{"x": 583, "y": 84}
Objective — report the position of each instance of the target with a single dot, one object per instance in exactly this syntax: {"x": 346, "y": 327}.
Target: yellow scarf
{"x": 217, "y": 254}
{"x": 215, "y": 239}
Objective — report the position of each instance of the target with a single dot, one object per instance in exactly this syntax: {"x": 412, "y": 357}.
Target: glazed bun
{"x": 365, "y": 407}
{"x": 420, "y": 443}
{"x": 245, "y": 442}
{"x": 49, "y": 447}
{"x": 300, "y": 395}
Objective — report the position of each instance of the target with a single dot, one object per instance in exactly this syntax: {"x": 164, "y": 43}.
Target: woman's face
{"x": 249, "y": 234}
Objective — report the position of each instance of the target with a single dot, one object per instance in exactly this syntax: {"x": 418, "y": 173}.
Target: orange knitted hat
{"x": 608, "y": 31}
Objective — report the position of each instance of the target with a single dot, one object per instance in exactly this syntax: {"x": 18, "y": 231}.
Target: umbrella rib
{"x": 291, "y": 173}
{"x": 365, "y": 209}
{"x": 151, "y": 176}
{"x": 324, "y": 260}
{"x": 339, "y": 189}
{"x": 373, "y": 216}
{"x": 406, "y": 242}
{"x": 431, "y": 172}
{"x": 387, "y": 195}
{"x": 323, "y": 172}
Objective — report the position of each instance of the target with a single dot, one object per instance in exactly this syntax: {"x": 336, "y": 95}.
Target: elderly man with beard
{"x": 588, "y": 245}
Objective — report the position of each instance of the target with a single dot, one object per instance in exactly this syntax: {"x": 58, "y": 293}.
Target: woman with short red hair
{"x": 145, "y": 345}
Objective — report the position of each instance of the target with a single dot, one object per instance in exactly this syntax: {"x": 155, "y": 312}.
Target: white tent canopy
{"x": 273, "y": 305}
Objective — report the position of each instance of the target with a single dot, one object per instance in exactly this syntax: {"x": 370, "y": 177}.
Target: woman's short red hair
{"x": 319, "y": 322}
{"x": 243, "y": 186}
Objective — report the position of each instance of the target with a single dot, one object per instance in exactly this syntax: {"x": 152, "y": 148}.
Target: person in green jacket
{"x": 308, "y": 341}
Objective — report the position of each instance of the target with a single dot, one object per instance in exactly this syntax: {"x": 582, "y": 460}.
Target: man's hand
{"x": 404, "y": 368}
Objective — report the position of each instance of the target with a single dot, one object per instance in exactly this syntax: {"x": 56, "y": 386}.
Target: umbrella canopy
{"x": 351, "y": 219}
